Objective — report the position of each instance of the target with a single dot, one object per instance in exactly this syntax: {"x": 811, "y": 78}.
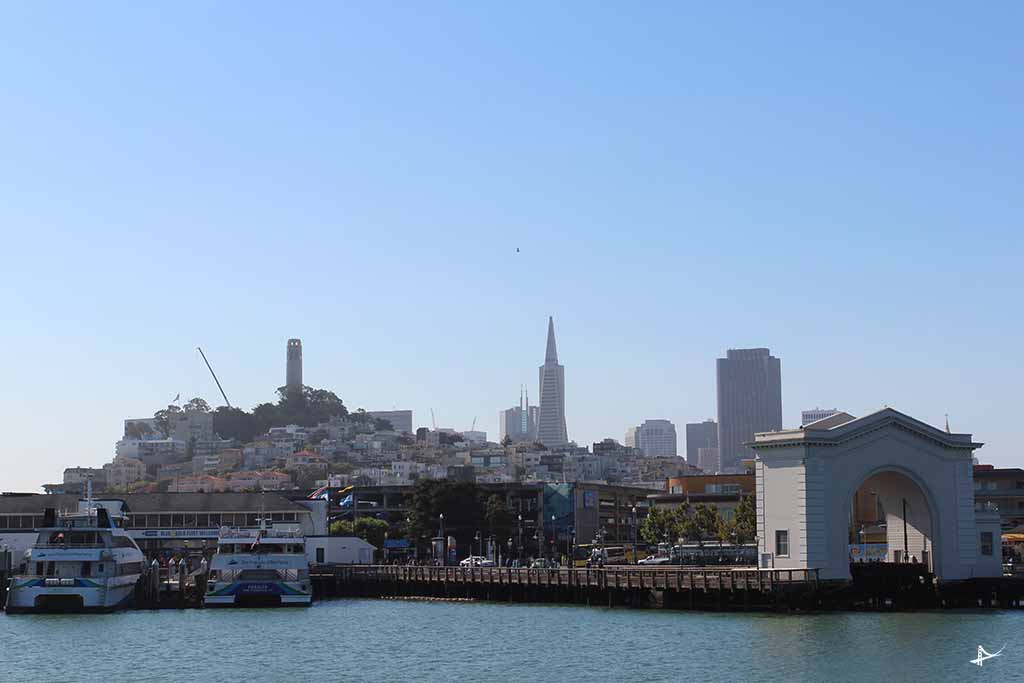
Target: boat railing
{"x": 75, "y": 546}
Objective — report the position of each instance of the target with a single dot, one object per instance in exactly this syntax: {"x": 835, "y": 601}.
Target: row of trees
{"x": 306, "y": 408}
{"x": 700, "y": 523}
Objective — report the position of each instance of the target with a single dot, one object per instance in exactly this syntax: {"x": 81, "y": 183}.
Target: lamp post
{"x": 444, "y": 543}
{"x": 519, "y": 550}
{"x": 510, "y": 550}
{"x": 479, "y": 543}
{"x": 553, "y": 537}
{"x": 539, "y": 540}
{"x": 570, "y": 538}
{"x": 635, "y": 554}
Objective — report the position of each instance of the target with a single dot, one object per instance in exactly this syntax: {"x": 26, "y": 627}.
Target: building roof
{"x": 827, "y": 433}
{"x": 157, "y": 502}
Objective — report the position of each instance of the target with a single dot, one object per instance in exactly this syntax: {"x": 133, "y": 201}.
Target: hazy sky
{"x": 843, "y": 186}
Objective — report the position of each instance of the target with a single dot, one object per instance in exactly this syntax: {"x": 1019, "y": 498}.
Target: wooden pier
{"x": 699, "y": 588}
{"x": 896, "y": 587}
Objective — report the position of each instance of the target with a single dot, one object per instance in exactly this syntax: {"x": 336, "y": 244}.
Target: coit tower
{"x": 293, "y": 374}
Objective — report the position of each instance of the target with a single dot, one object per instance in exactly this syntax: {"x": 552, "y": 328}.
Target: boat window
{"x": 51, "y": 568}
{"x": 177, "y": 520}
{"x": 214, "y": 519}
{"x": 123, "y": 542}
{"x": 87, "y": 568}
{"x": 39, "y": 568}
{"x": 165, "y": 521}
{"x": 3, "y": 521}
{"x": 99, "y": 568}
{"x": 250, "y": 520}
{"x": 190, "y": 520}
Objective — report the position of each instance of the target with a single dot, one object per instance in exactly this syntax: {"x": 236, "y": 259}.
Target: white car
{"x": 476, "y": 561}
{"x": 654, "y": 559}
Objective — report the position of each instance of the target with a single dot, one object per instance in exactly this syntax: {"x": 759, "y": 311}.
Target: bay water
{"x": 385, "y": 640}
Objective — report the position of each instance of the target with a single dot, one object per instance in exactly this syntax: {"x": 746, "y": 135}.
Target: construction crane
{"x": 432, "y": 420}
{"x": 214, "y": 377}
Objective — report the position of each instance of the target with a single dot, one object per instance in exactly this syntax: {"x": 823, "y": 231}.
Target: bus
{"x": 713, "y": 554}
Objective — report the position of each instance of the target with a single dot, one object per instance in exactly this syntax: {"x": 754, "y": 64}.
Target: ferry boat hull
{"x": 258, "y": 594}
{"x": 28, "y": 595}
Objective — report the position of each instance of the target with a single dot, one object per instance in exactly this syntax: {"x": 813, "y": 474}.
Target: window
{"x": 782, "y": 543}
{"x": 986, "y": 542}
{"x": 320, "y": 555}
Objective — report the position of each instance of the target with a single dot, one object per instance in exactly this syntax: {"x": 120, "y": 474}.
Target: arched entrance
{"x": 891, "y": 521}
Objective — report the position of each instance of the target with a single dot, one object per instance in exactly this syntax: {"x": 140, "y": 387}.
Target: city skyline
{"x": 414, "y": 214}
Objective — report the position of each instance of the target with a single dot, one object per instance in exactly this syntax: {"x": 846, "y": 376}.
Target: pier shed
{"x": 837, "y": 482}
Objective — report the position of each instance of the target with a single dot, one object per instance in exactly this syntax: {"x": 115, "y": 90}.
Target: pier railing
{"x": 624, "y": 577}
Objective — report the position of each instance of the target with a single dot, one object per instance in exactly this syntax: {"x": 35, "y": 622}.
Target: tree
{"x": 745, "y": 521}
{"x": 700, "y": 524}
{"x": 163, "y": 419}
{"x": 498, "y": 517}
{"x": 137, "y": 430}
{"x": 382, "y": 425}
{"x": 317, "y": 436}
{"x": 197, "y": 405}
{"x": 659, "y": 526}
{"x": 507, "y": 441}
{"x": 371, "y": 530}
{"x": 234, "y": 423}
{"x": 461, "y": 503}
{"x": 342, "y": 527}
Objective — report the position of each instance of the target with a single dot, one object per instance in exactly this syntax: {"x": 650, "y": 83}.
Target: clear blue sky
{"x": 843, "y": 186}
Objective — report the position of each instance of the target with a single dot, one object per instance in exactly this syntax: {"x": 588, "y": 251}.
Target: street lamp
{"x": 635, "y": 557}
{"x": 444, "y": 542}
{"x": 552, "y": 537}
{"x": 479, "y": 543}
{"x": 519, "y": 552}
{"x": 510, "y": 550}
{"x": 537, "y": 537}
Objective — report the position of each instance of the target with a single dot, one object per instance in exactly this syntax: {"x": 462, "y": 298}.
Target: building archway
{"x": 892, "y": 520}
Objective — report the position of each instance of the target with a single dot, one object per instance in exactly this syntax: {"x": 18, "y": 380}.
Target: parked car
{"x": 476, "y": 561}
{"x": 655, "y": 559}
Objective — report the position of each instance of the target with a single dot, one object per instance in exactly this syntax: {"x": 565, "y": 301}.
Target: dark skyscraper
{"x": 551, "y": 422}
{"x": 749, "y": 401}
{"x": 700, "y": 435}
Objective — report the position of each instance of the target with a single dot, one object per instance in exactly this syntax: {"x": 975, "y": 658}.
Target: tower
{"x": 293, "y": 374}
{"x": 551, "y": 423}
{"x": 749, "y": 401}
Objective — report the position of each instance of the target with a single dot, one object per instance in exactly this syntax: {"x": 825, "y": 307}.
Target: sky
{"x": 413, "y": 188}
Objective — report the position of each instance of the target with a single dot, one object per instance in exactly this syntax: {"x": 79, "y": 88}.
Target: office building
{"x": 632, "y": 437}
{"x": 749, "y": 401}
{"x": 519, "y": 423}
{"x": 708, "y": 460}
{"x": 656, "y": 438}
{"x": 700, "y": 435}
{"x": 551, "y": 429}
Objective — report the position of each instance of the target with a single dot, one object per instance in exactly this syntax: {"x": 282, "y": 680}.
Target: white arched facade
{"x": 806, "y": 480}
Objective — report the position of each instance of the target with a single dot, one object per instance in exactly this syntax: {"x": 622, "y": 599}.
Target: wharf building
{"x": 724, "y": 491}
{"x": 749, "y": 387}
{"x": 168, "y": 524}
{"x": 883, "y": 486}
{"x": 1001, "y": 489}
{"x": 700, "y": 435}
{"x": 581, "y": 511}
{"x": 551, "y": 429}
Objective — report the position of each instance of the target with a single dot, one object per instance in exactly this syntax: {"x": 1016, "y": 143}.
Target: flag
{"x": 320, "y": 494}
{"x": 346, "y": 501}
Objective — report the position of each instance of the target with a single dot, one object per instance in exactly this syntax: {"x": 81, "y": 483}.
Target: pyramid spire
{"x": 552, "y": 351}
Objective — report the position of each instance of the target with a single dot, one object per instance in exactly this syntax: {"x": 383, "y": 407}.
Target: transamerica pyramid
{"x": 551, "y": 423}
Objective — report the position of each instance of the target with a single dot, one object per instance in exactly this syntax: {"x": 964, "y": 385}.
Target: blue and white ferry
{"x": 82, "y": 561}
{"x": 259, "y": 567}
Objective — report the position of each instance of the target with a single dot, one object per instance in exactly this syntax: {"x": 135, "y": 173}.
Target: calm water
{"x": 346, "y": 640}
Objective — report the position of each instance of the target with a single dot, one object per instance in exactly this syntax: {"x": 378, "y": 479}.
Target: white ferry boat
{"x": 259, "y": 567}
{"x": 82, "y": 561}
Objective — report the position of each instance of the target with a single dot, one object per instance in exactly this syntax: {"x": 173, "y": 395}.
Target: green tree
{"x": 342, "y": 527}
{"x": 462, "y": 504}
{"x": 371, "y": 530}
{"x": 234, "y": 423}
{"x": 196, "y": 405}
{"x": 382, "y": 425}
{"x": 498, "y": 518}
{"x": 745, "y": 520}
{"x": 700, "y": 524}
{"x": 659, "y": 526}
{"x": 317, "y": 436}
{"x": 163, "y": 419}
